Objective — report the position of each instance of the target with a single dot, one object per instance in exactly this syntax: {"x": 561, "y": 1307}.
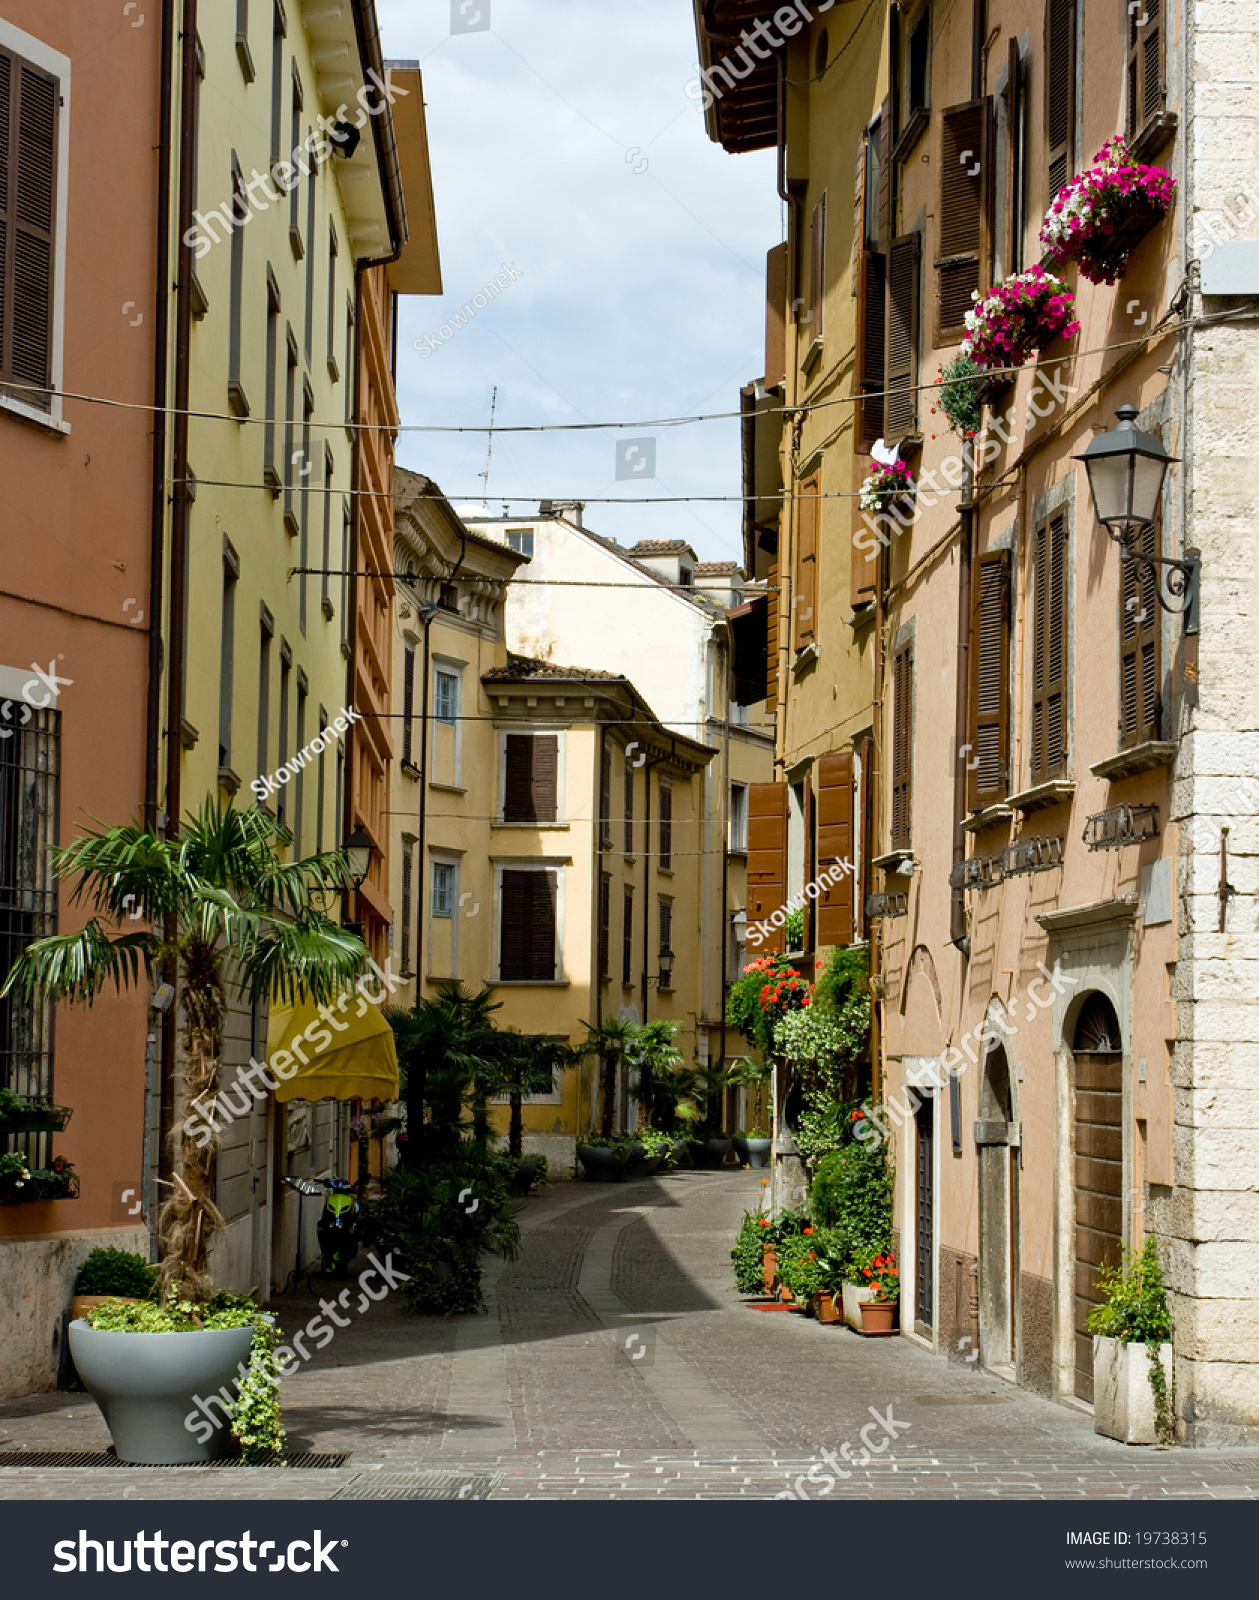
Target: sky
{"x": 565, "y": 148}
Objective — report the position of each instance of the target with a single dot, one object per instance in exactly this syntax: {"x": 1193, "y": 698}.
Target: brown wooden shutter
{"x": 605, "y": 796}
{"x": 1146, "y": 65}
{"x": 804, "y": 599}
{"x": 870, "y": 781}
{"x": 1060, "y": 49}
{"x": 901, "y": 361}
{"x": 405, "y": 913}
{"x": 965, "y": 225}
{"x": 605, "y": 927}
{"x": 776, "y": 317}
{"x": 629, "y": 805}
{"x": 1048, "y": 753}
{"x": 774, "y": 611}
{"x": 871, "y": 345}
{"x": 29, "y": 99}
{"x": 817, "y": 271}
{"x": 666, "y": 827}
{"x": 902, "y": 748}
{"x": 767, "y": 860}
{"x": 987, "y": 758}
{"x": 408, "y": 702}
{"x": 531, "y": 792}
{"x": 1140, "y": 652}
{"x": 666, "y": 926}
{"x": 886, "y": 141}
{"x": 859, "y": 208}
{"x": 527, "y": 928}
{"x": 627, "y": 938}
{"x": 835, "y": 843}
{"x": 1015, "y": 176}
{"x": 546, "y": 748}
{"x": 863, "y": 560}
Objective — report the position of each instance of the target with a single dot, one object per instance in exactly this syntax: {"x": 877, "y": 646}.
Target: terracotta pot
{"x": 786, "y": 1296}
{"x": 878, "y": 1316}
{"x": 769, "y": 1267}
{"x": 824, "y": 1307}
{"x": 81, "y": 1304}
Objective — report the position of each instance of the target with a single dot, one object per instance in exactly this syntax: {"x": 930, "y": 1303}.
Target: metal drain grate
{"x": 106, "y": 1458}
{"x": 420, "y": 1486}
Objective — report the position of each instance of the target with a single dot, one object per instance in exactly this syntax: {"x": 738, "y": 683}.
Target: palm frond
{"x": 77, "y": 966}
{"x": 279, "y": 960}
{"x": 120, "y": 868}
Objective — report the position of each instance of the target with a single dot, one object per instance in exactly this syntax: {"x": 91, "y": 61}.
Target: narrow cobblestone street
{"x": 541, "y": 1399}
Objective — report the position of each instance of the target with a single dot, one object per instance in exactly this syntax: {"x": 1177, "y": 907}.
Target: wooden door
{"x": 924, "y": 1298}
{"x": 1098, "y": 1175}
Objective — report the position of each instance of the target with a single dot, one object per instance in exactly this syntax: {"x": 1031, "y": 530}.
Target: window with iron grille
{"x": 29, "y": 807}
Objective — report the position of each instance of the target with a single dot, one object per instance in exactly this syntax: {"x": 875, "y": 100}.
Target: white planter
{"x": 1123, "y": 1399}
{"x": 853, "y": 1296}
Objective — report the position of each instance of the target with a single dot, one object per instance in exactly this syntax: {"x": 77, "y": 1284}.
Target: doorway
{"x": 998, "y": 1157}
{"x": 1098, "y": 1164}
{"x": 924, "y": 1242}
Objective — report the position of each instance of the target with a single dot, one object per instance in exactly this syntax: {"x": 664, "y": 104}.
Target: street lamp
{"x": 358, "y": 852}
{"x": 1126, "y": 469}
{"x": 664, "y": 978}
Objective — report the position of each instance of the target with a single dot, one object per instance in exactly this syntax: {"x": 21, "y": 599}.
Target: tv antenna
{"x": 489, "y": 449}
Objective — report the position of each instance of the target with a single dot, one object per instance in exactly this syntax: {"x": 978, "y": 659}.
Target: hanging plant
{"x": 1099, "y": 218}
{"x": 885, "y": 484}
{"x": 961, "y": 395}
{"x": 1018, "y": 317}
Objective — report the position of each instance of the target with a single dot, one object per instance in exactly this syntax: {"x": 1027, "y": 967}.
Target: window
{"x": 1010, "y": 211}
{"x": 1049, "y": 650}
{"x": 264, "y": 695}
{"x": 901, "y": 360}
{"x": 29, "y": 776}
{"x": 227, "y": 647}
{"x": 311, "y": 256}
{"x": 627, "y": 938}
{"x": 295, "y": 139}
{"x": 30, "y": 154}
{"x": 345, "y": 578}
{"x": 443, "y": 889}
{"x": 902, "y": 748}
{"x": 738, "y": 818}
{"x": 299, "y": 780}
{"x": 530, "y": 777}
{"x": 446, "y": 697}
{"x": 1060, "y": 67}
{"x": 964, "y": 212}
{"x": 279, "y": 29}
{"x": 629, "y": 805}
{"x": 349, "y": 358}
{"x": 804, "y": 600}
{"x": 917, "y": 78}
{"x": 408, "y": 867}
{"x": 521, "y": 540}
{"x": 239, "y": 209}
{"x": 290, "y": 428}
{"x": 988, "y": 758}
{"x": 286, "y": 668}
{"x": 870, "y": 288}
{"x": 528, "y": 926}
{"x": 1140, "y": 664}
{"x": 605, "y": 927}
{"x": 817, "y": 270}
{"x": 334, "y": 372}
{"x": 408, "y": 706}
{"x": 325, "y": 600}
{"x": 1147, "y": 57}
{"x": 319, "y": 791}
{"x": 270, "y": 473}
{"x": 831, "y": 922}
{"x": 307, "y": 467}
{"x": 243, "y": 54}
{"x": 605, "y": 794}
{"x": 665, "y": 910}
{"x": 666, "y": 827}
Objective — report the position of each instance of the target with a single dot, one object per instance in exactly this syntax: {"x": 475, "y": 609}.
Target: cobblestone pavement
{"x": 618, "y": 1363}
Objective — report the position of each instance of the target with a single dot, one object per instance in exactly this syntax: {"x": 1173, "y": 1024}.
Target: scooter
{"x": 338, "y": 1227}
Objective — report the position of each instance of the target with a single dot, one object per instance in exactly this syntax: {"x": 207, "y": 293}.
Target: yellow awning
{"x": 331, "y": 1052}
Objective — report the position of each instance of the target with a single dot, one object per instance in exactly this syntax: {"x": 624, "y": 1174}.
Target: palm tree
{"x": 612, "y": 1041}
{"x": 528, "y": 1064}
{"x": 230, "y": 911}
{"x": 448, "y": 1047}
{"x": 655, "y": 1053}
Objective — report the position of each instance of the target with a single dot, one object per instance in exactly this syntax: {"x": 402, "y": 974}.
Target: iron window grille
{"x": 1038, "y": 853}
{"x": 977, "y": 872}
{"x": 1121, "y": 825}
{"x": 880, "y": 907}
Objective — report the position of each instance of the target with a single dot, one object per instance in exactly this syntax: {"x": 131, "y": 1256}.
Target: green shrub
{"x": 120, "y": 1272}
{"x": 1134, "y": 1310}
{"x": 746, "y": 1254}
{"x": 851, "y": 1195}
{"x": 808, "y": 1262}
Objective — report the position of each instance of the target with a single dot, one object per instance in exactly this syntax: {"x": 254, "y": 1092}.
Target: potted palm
{"x": 229, "y": 910}
{"x": 1134, "y": 1398}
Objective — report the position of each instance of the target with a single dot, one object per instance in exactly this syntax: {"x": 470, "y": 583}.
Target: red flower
{"x": 808, "y": 1230}
{"x": 59, "y": 1165}
{"x": 764, "y": 1221}
{"x": 867, "y": 1272}
{"x": 857, "y": 1115}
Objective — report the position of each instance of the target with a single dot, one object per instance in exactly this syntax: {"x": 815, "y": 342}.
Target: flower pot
{"x": 878, "y": 1316}
{"x": 769, "y": 1268}
{"x": 81, "y": 1304}
{"x": 526, "y": 1174}
{"x": 740, "y": 1150}
{"x": 854, "y": 1297}
{"x": 1123, "y": 1398}
{"x": 786, "y": 1295}
{"x": 824, "y": 1307}
{"x": 32, "y": 1190}
{"x": 682, "y": 1153}
{"x": 146, "y": 1384}
{"x": 758, "y": 1152}
{"x": 603, "y": 1163}
{"x": 715, "y": 1151}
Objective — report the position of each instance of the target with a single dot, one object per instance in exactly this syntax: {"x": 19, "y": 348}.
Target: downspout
{"x": 875, "y": 781}
{"x": 958, "y": 933}
{"x": 179, "y": 540}
{"x": 423, "y": 821}
{"x": 647, "y": 772}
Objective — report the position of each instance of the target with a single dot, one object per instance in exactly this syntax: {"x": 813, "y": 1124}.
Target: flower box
{"x": 1018, "y": 317}
{"x": 887, "y": 485}
{"x": 36, "y": 1188}
{"x": 1123, "y": 1397}
{"x": 34, "y": 1118}
{"x": 1099, "y": 218}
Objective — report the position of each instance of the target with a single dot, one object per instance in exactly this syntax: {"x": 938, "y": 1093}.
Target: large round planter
{"x": 878, "y": 1316}
{"x": 146, "y": 1384}
{"x": 740, "y": 1150}
{"x": 603, "y": 1163}
{"x": 640, "y": 1164}
{"x": 715, "y": 1152}
{"x": 758, "y": 1152}
{"x": 81, "y": 1304}
{"x": 526, "y": 1174}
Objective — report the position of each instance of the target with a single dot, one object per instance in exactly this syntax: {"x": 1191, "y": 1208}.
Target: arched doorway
{"x": 998, "y": 1214}
{"x": 1098, "y": 1178}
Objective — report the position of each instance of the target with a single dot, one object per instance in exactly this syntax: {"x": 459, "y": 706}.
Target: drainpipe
{"x": 958, "y": 933}
{"x": 875, "y": 782}
{"x": 423, "y": 822}
{"x": 647, "y": 772}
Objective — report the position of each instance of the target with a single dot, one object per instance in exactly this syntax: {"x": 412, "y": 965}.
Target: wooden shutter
{"x": 817, "y": 271}
{"x": 29, "y": 99}
{"x": 666, "y": 827}
{"x": 546, "y": 747}
{"x": 870, "y": 781}
{"x": 804, "y": 598}
{"x": 1060, "y": 48}
{"x": 1140, "y": 652}
{"x": 629, "y": 805}
{"x": 605, "y": 795}
{"x": 771, "y": 636}
{"x": 902, "y": 748}
{"x": 531, "y": 792}
{"x": 1015, "y": 176}
{"x": 605, "y": 927}
{"x": 863, "y": 550}
{"x": 408, "y": 702}
{"x": 405, "y": 912}
{"x": 901, "y": 361}
{"x": 885, "y": 172}
{"x": 871, "y": 353}
{"x": 527, "y": 928}
{"x": 1146, "y": 65}
{"x": 767, "y": 859}
{"x": 859, "y": 208}
{"x": 1049, "y": 650}
{"x": 965, "y": 220}
{"x": 834, "y": 807}
{"x": 988, "y": 757}
{"x": 776, "y": 317}
{"x": 666, "y": 925}
{"x": 627, "y": 938}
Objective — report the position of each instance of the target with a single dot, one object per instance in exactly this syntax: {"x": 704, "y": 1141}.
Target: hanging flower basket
{"x": 29, "y": 1114}
{"x": 885, "y": 485}
{"x": 1099, "y": 218}
{"x": 1018, "y": 317}
{"x": 20, "y": 1185}
{"x": 964, "y": 389}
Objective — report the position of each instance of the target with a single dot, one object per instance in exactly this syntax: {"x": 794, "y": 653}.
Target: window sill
{"x": 664, "y": 872}
{"x": 919, "y": 122}
{"x": 1041, "y": 796}
{"x": 862, "y": 616}
{"x": 334, "y": 371}
{"x": 532, "y": 983}
{"x": 812, "y": 355}
{"x": 275, "y": 483}
{"x": 200, "y": 300}
{"x": 43, "y": 420}
{"x": 1138, "y": 758}
{"x": 449, "y": 788}
{"x": 327, "y": 607}
{"x": 410, "y": 770}
{"x": 988, "y": 818}
{"x": 537, "y": 827}
{"x": 1159, "y": 131}
{"x": 245, "y": 57}
{"x": 295, "y": 242}
{"x": 804, "y": 658}
{"x": 188, "y": 735}
{"x": 291, "y": 525}
{"x": 237, "y": 399}
{"x": 737, "y": 852}
{"x": 228, "y": 780}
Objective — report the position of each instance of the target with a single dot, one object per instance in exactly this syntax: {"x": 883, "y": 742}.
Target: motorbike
{"x": 338, "y": 1227}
